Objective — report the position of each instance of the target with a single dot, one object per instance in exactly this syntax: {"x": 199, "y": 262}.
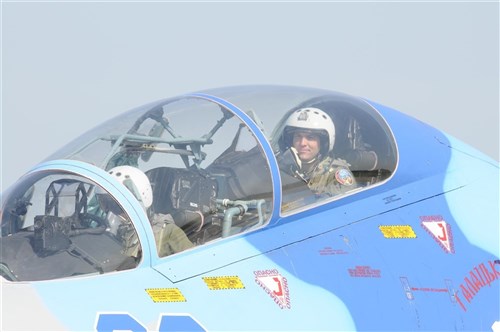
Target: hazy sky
{"x": 67, "y": 66}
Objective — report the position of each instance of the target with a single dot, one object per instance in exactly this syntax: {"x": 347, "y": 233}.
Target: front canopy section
{"x": 58, "y": 224}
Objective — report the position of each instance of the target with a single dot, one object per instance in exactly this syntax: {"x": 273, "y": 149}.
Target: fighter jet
{"x": 255, "y": 208}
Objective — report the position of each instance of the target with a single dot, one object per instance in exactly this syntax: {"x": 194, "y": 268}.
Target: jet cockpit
{"x": 216, "y": 168}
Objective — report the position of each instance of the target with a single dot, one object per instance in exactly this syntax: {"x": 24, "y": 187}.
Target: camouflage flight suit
{"x": 169, "y": 237}
{"x": 329, "y": 177}
{"x": 325, "y": 177}
{"x": 127, "y": 235}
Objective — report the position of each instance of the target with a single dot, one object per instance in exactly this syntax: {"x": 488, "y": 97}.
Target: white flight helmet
{"x": 136, "y": 181}
{"x": 314, "y": 120}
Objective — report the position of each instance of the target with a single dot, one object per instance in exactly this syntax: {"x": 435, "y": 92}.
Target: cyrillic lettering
{"x": 478, "y": 273}
{"x": 488, "y": 276}
{"x": 466, "y": 293}
{"x": 472, "y": 288}
{"x": 460, "y": 301}
{"x": 497, "y": 273}
{"x": 475, "y": 280}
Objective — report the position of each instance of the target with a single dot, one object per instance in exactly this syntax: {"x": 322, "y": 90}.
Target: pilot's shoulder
{"x": 343, "y": 174}
{"x": 337, "y": 162}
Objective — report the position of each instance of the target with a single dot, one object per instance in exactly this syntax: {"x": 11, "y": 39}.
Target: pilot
{"x": 169, "y": 237}
{"x": 309, "y": 134}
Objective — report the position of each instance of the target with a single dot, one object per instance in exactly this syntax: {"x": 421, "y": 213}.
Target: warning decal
{"x": 165, "y": 295}
{"x": 275, "y": 285}
{"x": 364, "y": 272}
{"x": 398, "y": 232}
{"x": 230, "y": 282}
{"x": 440, "y": 231}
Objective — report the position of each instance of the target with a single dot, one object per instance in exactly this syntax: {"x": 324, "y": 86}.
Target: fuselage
{"x": 413, "y": 245}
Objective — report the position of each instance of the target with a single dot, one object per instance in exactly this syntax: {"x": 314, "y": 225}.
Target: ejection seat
{"x": 187, "y": 195}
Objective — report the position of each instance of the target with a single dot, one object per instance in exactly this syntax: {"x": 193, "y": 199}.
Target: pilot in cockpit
{"x": 169, "y": 237}
{"x": 309, "y": 136}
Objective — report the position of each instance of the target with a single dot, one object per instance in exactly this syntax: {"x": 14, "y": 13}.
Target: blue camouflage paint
{"x": 109, "y": 322}
{"x": 338, "y": 266}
